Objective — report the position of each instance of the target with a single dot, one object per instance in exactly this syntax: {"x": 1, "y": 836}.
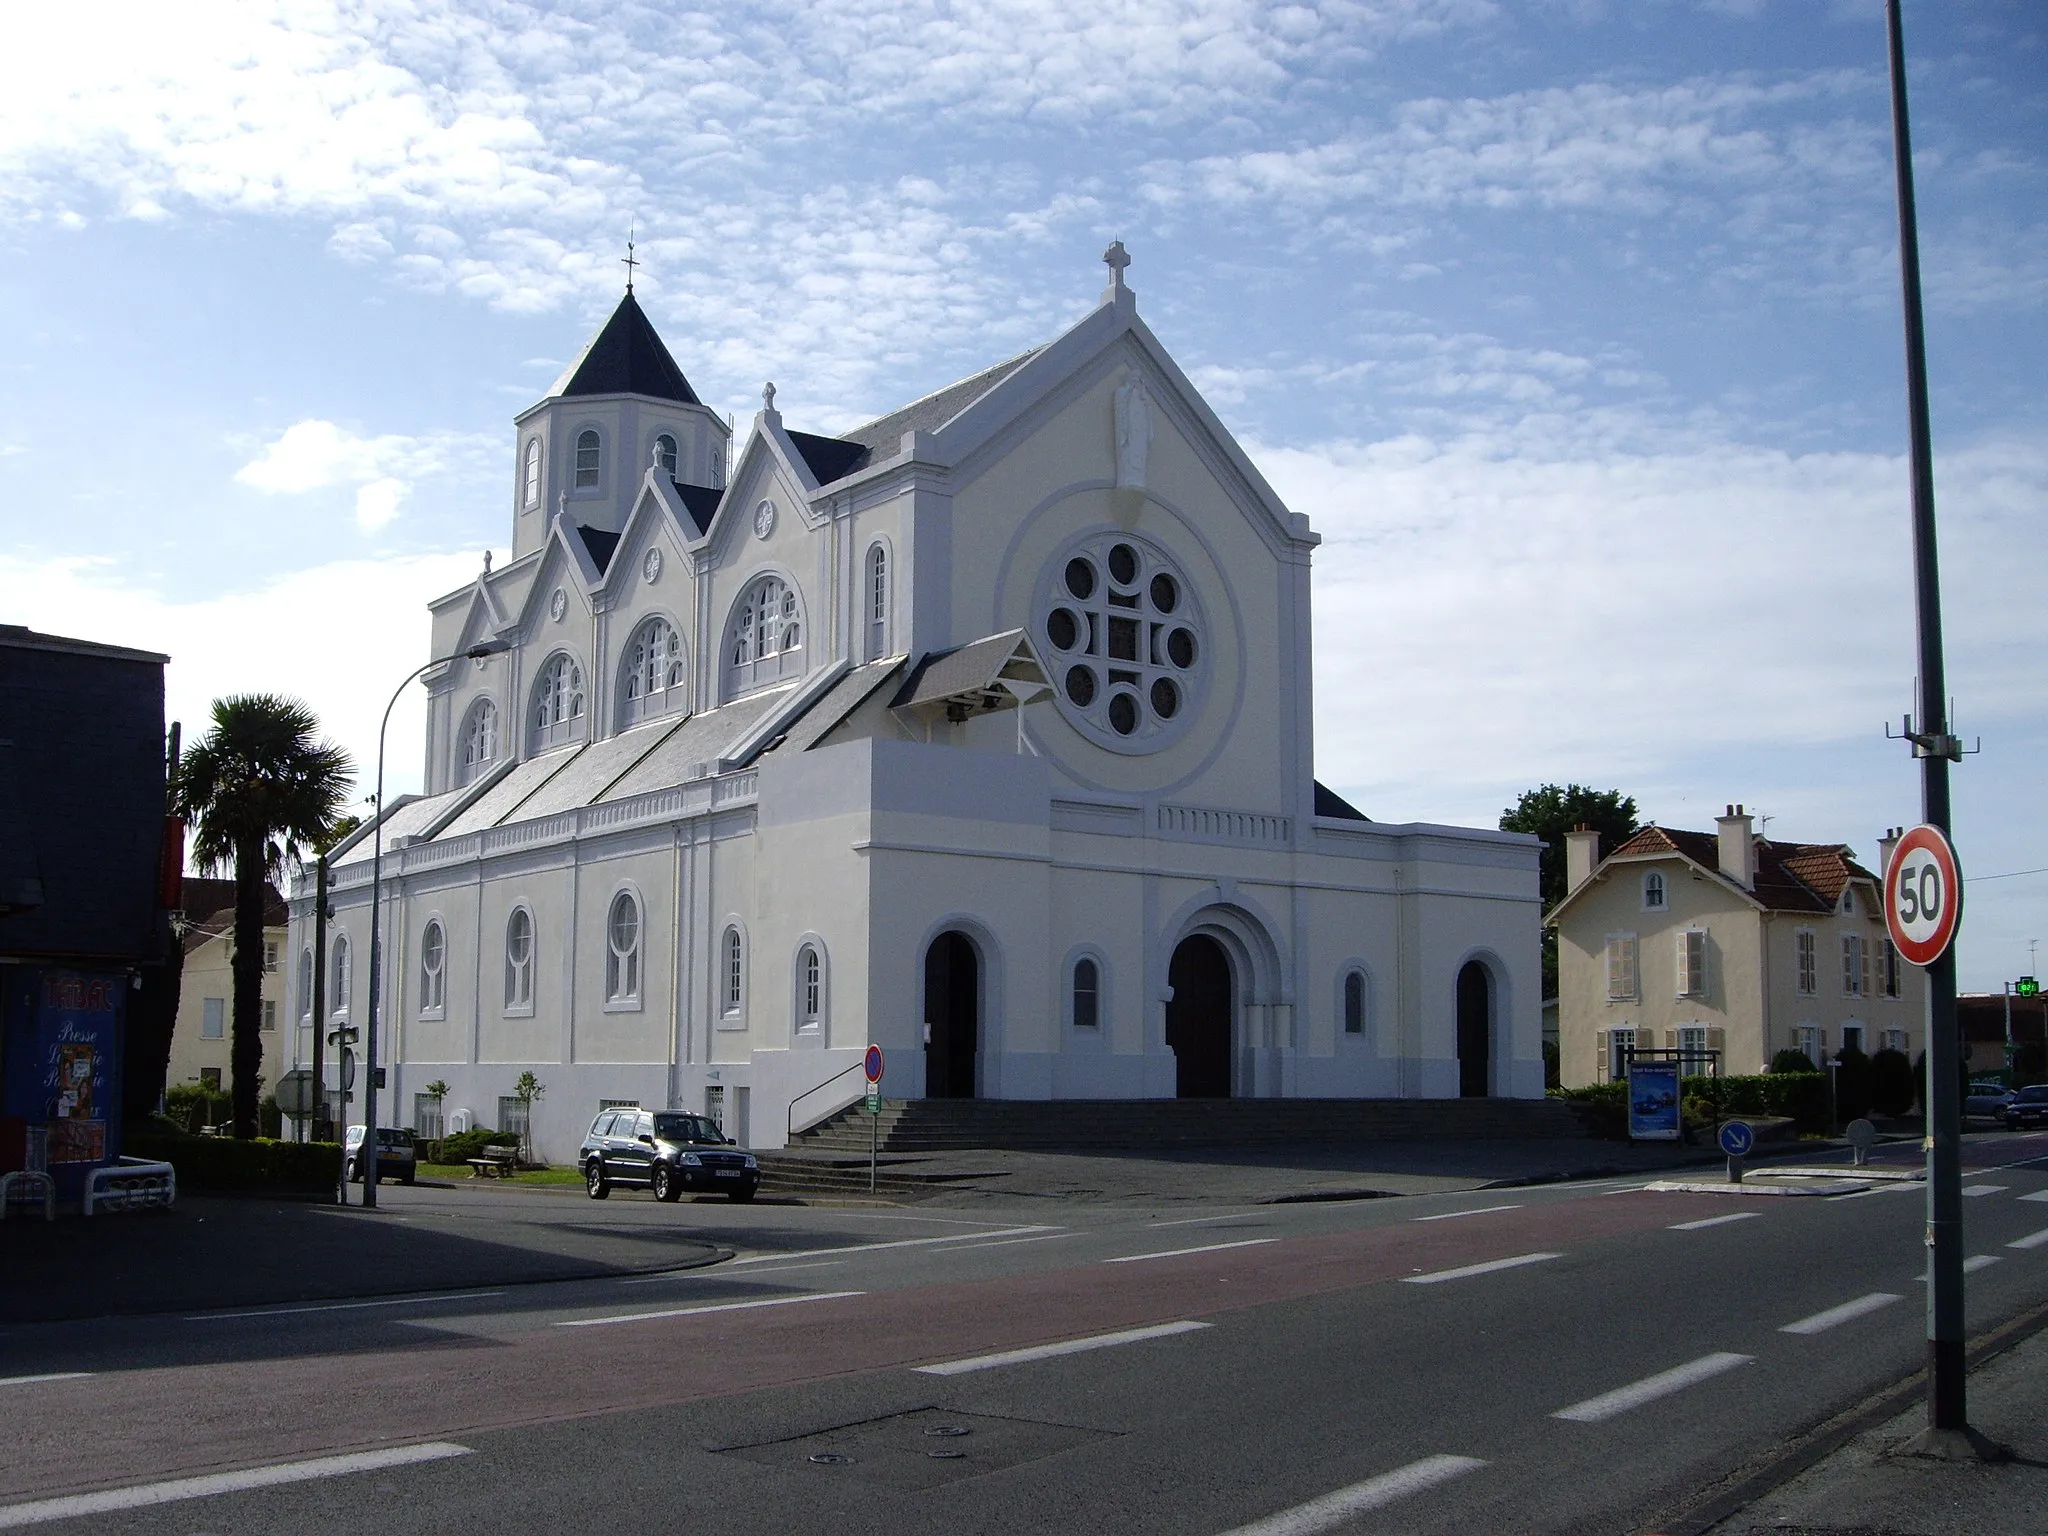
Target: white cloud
{"x": 315, "y": 455}
{"x": 377, "y": 503}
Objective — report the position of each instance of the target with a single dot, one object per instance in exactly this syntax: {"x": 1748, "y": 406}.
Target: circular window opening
{"x": 1063, "y": 629}
{"x": 1123, "y": 713}
{"x": 1128, "y": 632}
{"x": 1165, "y": 592}
{"x": 1165, "y": 698}
{"x": 1180, "y": 648}
{"x": 1123, "y": 565}
{"x": 1081, "y": 579}
{"x": 1081, "y": 686}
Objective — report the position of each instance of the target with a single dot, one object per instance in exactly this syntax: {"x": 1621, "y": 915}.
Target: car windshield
{"x": 687, "y": 1128}
{"x": 2035, "y": 1095}
{"x": 394, "y": 1138}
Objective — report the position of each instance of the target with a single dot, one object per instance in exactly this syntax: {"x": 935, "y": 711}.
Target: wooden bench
{"x": 494, "y": 1163}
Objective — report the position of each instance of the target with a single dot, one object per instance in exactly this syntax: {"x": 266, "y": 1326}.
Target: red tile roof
{"x": 1790, "y": 877}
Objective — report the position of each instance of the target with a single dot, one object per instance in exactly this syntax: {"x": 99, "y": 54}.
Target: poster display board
{"x": 1653, "y": 1105}
{"x": 62, "y": 1065}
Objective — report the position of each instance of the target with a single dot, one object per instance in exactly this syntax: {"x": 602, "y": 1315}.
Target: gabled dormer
{"x": 621, "y": 406}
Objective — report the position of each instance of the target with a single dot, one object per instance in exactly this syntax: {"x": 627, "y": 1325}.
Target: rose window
{"x": 1123, "y": 640}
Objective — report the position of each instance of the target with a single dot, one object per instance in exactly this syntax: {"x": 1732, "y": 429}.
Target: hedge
{"x": 461, "y": 1146}
{"x": 222, "y": 1163}
{"x": 1800, "y": 1096}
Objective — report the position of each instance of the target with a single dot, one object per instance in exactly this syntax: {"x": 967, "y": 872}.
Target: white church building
{"x": 982, "y": 732}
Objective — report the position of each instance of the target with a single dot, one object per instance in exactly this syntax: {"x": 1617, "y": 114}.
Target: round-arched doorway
{"x": 1475, "y": 1031}
{"x": 1199, "y": 1017}
{"x": 952, "y": 1016}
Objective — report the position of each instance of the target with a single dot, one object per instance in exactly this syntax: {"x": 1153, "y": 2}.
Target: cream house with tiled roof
{"x": 1725, "y": 942}
{"x": 203, "y": 1037}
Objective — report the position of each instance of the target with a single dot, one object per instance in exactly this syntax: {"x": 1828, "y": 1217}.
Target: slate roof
{"x": 599, "y": 543}
{"x": 980, "y": 666}
{"x": 210, "y": 922}
{"x": 830, "y": 458}
{"x": 1790, "y": 877}
{"x": 883, "y": 437}
{"x": 626, "y": 357}
{"x": 1330, "y": 803}
{"x": 701, "y": 501}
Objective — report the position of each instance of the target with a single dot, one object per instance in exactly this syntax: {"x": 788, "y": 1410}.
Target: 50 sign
{"x": 1923, "y": 895}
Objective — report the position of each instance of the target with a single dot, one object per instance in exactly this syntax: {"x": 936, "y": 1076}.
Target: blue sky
{"x": 1573, "y": 326}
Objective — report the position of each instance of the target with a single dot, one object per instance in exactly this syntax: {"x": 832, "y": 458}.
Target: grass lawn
{"x": 529, "y": 1176}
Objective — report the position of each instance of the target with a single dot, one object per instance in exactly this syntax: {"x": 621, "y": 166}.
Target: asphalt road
{"x": 1576, "y": 1358}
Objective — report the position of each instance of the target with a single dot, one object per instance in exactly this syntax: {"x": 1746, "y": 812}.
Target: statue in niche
{"x": 1133, "y": 432}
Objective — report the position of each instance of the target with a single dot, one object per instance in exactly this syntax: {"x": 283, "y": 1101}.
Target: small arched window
{"x": 654, "y": 673}
{"x": 519, "y": 960}
{"x": 529, "y": 490}
{"x": 1354, "y": 1002}
{"x": 558, "y": 704}
{"x": 587, "y": 461}
{"x": 306, "y": 986}
{"x": 765, "y": 641}
{"x": 1653, "y": 891}
{"x": 810, "y": 987}
{"x": 337, "y": 984}
{"x": 622, "y": 943}
{"x": 878, "y": 603}
{"x": 1087, "y": 994}
{"x": 735, "y": 971}
{"x": 433, "y": 969}
{"x": 665, "y": 452}
{"x": 479, "y": 740}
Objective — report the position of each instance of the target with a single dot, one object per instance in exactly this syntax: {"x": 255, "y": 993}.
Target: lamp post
{"x": 371, "y": 1146}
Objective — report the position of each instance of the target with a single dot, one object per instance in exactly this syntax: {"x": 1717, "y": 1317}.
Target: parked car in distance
{"x": 2027, "y": 1107}
{"x": 396, "y": 1158}
{"x": 666, "y": 1151}
{"x": 1986, "y": 1101}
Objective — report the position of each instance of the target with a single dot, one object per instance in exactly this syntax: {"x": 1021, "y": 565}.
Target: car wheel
{"x": 407, "y": 1178}
{"x": 595, "y": 1181}
{"x": 351, "y": 1172}
{"x": 666, "y": 1185}
{"x": 741, "y": 1196}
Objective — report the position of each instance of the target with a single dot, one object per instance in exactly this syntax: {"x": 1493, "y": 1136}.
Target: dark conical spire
{"x": 626, "y": 358}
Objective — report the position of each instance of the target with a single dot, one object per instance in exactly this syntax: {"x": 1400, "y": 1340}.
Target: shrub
{"x": 1852, "y": 1085}
{"x": 1552, "y": 1071}
{"x": 1801, "y": 1096}
{"x": 1792, "y": 1061}
{"x": 219, "y": 1163}
{"x": 463, "y": 1145}
{"x": 194, "y": 1104}
{"x": 1892, "y": 1090}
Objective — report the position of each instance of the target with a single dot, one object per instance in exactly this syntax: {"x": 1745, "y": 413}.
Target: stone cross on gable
{"x": 1116, "y": 258}
{"x": 768, "y": 397}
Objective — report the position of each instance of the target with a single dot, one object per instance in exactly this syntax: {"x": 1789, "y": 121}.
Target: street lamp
{"x": 371, "y": 1145}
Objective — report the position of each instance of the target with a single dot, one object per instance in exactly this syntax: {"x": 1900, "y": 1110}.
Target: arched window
{"x": 735, "y": 971}
{"x": 337, "y": 984}
{"x": 479, "y": 741}
{"x": 1354, "y": 1002}
{"x": 665, "y": 452}
{"x": 1653, "y": 891}
{"x": 878, "y": 603}
{"x": 622, "y": 943}
{"x": 529, "y": 491}
{"x": 519, "y": 961}
{"x": 810, "y": 988}
{"x": 765, "y": 641}
{"x": 1087, "y": 994}
{"x": 586, "y": 460}
{"x": 654, "y": 673}
{"x": 306, "y": 986}
{"x": 558, "y": 704}
{"x": 433, "y": 969}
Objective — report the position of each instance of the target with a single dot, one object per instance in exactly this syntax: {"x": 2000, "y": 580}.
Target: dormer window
{"x": 587, "y": 461}
{"x": 654, "y": 673}
{"x": 529, "y": 494}
{"x": 558, "y": 704}
{"x": 665, "y": 452}
{"x": 1653, "y": 892}
{"x": 479, "y": 740}
{"x": 765, "y": 641}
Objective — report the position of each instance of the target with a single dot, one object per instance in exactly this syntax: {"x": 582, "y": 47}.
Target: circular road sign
{"x": 1923, "y": 895}
{"x": 874, "y": 1063}
{"x": 1737, "y": 1138}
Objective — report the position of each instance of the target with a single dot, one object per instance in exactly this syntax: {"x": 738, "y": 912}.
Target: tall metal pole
{"x": 1947, "y": 1418}
{"x": 318, "y": 1004}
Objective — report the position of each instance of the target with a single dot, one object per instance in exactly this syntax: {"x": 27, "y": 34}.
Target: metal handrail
{"x": 858, "y": 1066}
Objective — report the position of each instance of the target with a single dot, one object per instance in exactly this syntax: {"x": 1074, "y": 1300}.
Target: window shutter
{"x": 1670, "y": 1039}
{"x": 1603, "y": 1057}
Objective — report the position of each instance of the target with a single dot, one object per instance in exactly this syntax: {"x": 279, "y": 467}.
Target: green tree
{"x": 526, "y": 1090}
{"x": 1549, "y": 812}
{"x": 259, "y": 786}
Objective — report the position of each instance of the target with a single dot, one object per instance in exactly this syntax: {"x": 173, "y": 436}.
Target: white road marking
{"x": 1971, "y": 1265}
{"x": 23, "y": 1381}
{"x": 1048, "y": 1351}
{"x": 1609, "y": 1404}
{"x": 2039, "y": 1194}
{"x": 901, "y": 1242}
{"x": 1848, "y": 1311}
{"x": 72, "y": 1506}
{"x": 342, "y": 1306}
{"x": 1175, "y": 1253}
{"x": 2031, "y": 1240}
{"x": 1465, "y": 1271}
{"x": 1334, "y": 1509}
{"x": 1893, "y": 1187}
{"x": 716, "y": 1306}
{"x": 1189, "y": 1221}
{"x": 1484, "y": 1210}
{"x": 1980, "y": 1190}
{"x": 718, "y": 1270}
{"x": 1626, "y": 1189}
{"x": 1011, "y": 1242}
{"x": 1714, "y": 1221}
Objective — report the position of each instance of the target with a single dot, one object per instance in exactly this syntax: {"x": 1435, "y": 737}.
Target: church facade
{"x": 981, "y": 732}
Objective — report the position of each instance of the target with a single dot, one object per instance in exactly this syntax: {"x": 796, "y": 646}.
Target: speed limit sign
{"x": 1923, "y": 895}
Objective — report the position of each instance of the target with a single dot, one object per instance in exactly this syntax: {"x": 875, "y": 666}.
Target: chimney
{"x": 1581, "y": 853}
{"x": 1885, "y": 845}
{"x": 1738, "y": 847}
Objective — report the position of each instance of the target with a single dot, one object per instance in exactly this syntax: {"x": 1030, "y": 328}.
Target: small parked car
{"x": 2027, "y": 1107}
{"x": 1986, "y": 1101}
{"x": 666, "y": 1151}
{"x": 396, "y": 1158}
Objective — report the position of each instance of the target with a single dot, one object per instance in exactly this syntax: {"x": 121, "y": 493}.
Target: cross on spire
{"x": 1116, "y": 258}
{"x": 629, "y": 262}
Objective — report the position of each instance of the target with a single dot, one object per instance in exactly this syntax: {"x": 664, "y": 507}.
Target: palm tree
{"x": 256, "y": 789}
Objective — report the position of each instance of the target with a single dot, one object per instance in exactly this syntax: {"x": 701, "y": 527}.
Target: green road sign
{"x": 872, "y": 1104}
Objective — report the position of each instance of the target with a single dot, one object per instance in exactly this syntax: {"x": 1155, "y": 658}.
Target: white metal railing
{"x": 132, "y": 1184}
